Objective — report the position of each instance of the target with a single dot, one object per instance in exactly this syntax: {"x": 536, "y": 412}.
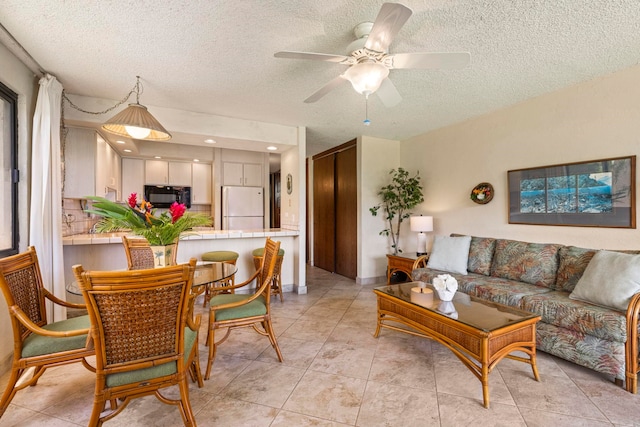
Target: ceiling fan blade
{"x": 431, "y": 60}
{"x": 390, "y": 20}
{"x": 325, "y": 89}
{"x": 388, "y": 93}
{"x": 310, "y": 55}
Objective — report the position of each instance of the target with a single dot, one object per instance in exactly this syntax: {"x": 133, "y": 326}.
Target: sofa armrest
{"x": 632, "y": 366}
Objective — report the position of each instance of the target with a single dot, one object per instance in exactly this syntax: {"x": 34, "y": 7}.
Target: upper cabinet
{"x": 201, "y": 188}
{"x": 132, "y": 177}
{"x": 242, "y": 174}
{"x": 161, "y": 172}
{"x": 92, "y": 167}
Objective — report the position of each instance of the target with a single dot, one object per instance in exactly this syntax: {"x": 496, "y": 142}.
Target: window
{"x": 8, "y": 171}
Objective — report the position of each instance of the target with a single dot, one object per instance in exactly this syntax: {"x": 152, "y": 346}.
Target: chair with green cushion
{"x": 229, "y": 257}
{"x": 276, "y": 284}
{"x": 145, "y": 336}
{"x": 36, "y": 343}
{"x": 232, "y": 311}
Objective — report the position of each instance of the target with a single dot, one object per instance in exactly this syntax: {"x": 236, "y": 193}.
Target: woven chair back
{"x": 139, "y": 253}
{"x": 21, "y": 284}
{"x": 268, "y": 267}
{"x": 139, "y": 315}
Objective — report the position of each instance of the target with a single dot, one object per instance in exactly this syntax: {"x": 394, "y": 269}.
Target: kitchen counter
{"x": 198, "y": 234}
{"x": 104, "y": 251}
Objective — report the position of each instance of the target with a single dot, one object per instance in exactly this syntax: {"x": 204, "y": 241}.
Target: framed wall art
{"x": 598, "y": 193}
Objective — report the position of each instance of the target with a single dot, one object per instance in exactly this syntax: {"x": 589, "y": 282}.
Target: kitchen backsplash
{"x": 76, "y": 221}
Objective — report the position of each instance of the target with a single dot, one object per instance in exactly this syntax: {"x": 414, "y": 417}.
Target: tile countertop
{"x": 107, "y": 238}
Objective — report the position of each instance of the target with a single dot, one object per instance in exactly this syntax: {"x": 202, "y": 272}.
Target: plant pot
{"x": 163, "y": 256}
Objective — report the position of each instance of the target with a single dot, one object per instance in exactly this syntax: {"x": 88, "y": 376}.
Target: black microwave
{"x": 163, "y": 196}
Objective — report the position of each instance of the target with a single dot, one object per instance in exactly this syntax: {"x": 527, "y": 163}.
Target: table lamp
{"x": 421, "y": 224}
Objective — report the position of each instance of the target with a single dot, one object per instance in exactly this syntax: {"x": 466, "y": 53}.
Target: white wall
{"x": 376, "y": 158}
{"x": 593, "y": 120}
{"x": 22, "y": 81}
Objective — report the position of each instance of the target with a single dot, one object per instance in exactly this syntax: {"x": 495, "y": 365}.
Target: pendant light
{"x": 136, "y": 122}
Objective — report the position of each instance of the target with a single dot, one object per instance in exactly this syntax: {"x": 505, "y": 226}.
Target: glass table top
{"x": 475, "y": 312}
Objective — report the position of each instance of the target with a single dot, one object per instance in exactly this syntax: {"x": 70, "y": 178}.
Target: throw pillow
{"x": 610, "y": 280}
{"x": 450, "y": 254}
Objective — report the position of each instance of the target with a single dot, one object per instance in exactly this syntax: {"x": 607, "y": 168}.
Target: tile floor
{"x": 336, "y": 374}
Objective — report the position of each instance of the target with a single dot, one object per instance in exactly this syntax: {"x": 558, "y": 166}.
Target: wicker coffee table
{"x": 480, "y": 333}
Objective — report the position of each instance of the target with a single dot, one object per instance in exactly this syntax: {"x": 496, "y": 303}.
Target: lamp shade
{"x": 421, "y": 223}
{"x": 366, "y": 77}
{"x": 135, "y": 121}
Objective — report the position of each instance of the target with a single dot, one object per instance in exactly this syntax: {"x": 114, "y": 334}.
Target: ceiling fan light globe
{"x": 137, "y": 132}
{"x": 366, "y": 77}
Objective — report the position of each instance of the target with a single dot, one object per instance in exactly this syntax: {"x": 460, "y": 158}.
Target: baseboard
{"x": 381, "y": 280}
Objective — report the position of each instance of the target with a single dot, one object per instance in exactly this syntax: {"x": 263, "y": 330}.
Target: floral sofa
{"x": 540, "y": 278}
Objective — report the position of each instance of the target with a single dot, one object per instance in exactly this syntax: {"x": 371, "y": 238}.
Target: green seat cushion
{"x": 219, "y": 256}
{"x": 257, "y": 307}
{"x": 145, "y": 374}
{"x": 260, "y": 252}
{"x": 37, "y": 345}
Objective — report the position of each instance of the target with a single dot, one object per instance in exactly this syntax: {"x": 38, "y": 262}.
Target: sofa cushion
{"x": 556, "y": 308}
{"x": 480, "y": 255}
{"x": 450, "y": 254}
{"x": 534, "y": 263}
{"x": 503, "y": 291}
{"x": 586, "y": 350}
{"x": 573, "y": 261}
{"x": 610, "y": 280}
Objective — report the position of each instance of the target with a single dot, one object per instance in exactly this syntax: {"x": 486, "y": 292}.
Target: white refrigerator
{"x": 242, "y": 208}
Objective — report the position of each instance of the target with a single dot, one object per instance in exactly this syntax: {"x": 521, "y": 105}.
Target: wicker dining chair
{"x": 145, "y": 337}
{"x": 139, "y": 254}
{"x": 237, "y": 310}
{"x": 37, "y": 344}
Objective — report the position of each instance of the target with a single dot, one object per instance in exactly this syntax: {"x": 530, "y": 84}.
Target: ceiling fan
{"x": 369, "y": 60}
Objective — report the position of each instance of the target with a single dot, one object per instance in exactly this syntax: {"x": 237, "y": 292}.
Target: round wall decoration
{"x": 289, "y": 183}
{"x": 482, "y": 193}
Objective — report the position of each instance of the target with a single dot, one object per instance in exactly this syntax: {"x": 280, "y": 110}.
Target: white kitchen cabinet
{"x": 162, "y": 172}
{"x": 242, "y": 174}
{"x": 92, "y": 167}
{"x": 108, "y": 170}
{"x": 156, "y": 172}
{"x": 180, "y": 174}
{"x": 79, "y": 163}
{"x": 201, "y": 188}
{"x": 132, "y": 178}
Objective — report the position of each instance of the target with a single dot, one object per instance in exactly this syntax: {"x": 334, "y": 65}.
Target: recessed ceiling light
{"x": 158, "y": 157}
{"x": 272, "y": 148}
{"x": 196, "y": 160}
{"x": 120, "y": 141}
{"x": 210, "y": 141}
{"x": 126, "y": 150}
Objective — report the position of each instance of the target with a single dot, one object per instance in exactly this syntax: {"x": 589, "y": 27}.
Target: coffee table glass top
{"x": 475, "y": 312}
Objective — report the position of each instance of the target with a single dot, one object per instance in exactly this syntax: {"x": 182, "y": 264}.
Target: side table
{"x": 404, "y": 263}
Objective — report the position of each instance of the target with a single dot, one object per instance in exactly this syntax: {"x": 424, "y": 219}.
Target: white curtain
{"x": 45, "y": 220}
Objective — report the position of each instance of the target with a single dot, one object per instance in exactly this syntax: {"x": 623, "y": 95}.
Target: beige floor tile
{"x": 552, "y": 394}
{"x": 618, "y": 405}
{"x": 264, "y": 383}
{"x": 295, "y": 352}
{"x": 463, "y": 411}
{"x": 225, "y": 412}
{"x": 327, "y": 396}
{"x": 348, "y": 359}
{"x": 536, "y": 418}
{"x": 390, "y": 405}
{"x": 310, "y": 330}
{"x": 291, "y": 419}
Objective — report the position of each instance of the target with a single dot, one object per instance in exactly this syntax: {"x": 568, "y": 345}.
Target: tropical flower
{"x": 141, "y": 220}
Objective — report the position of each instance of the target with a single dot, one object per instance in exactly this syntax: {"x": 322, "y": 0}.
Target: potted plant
{"x": 398, "y": 198}
{"x": 162, "y": 232}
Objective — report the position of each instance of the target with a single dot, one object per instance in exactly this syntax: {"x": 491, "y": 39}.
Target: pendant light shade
{"x": 136, "y": 122}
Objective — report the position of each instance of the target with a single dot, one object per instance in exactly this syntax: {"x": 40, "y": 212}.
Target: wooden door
{"x": 324, "y": 213}
{"x": 346, "y": 219}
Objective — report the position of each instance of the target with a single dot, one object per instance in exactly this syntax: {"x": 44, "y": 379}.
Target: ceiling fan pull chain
{"x": 366, "y": 121}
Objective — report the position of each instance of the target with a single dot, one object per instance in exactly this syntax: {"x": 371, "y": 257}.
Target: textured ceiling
{"x": 216, "y": 57}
